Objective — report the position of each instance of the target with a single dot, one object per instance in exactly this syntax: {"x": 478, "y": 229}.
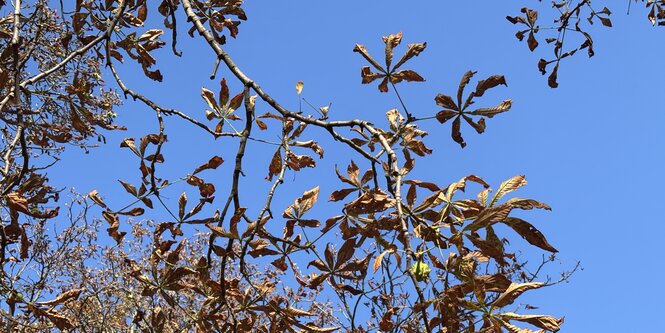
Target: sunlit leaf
{"x": 513, "y": 292}
{"x": 508, "y": 186}
{"x": 299, "y": 86}
{"x": 209, "y": 98}
{"x": 548, "y": 323}
{"x": 529, "y": 233}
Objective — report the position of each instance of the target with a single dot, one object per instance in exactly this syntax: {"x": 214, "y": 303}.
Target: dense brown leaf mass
{"x": 208, "y": 260}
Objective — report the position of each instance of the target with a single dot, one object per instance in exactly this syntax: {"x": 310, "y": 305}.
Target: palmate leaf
{"x": 456, "y": 110}
{"x": 569, "y": 19}
{"x": 225, "y": 108}
{"x": 390, "y": 74}
{"x": 184, "y": 283}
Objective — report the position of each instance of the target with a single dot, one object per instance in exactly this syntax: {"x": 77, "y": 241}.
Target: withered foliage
{"x": 570, "y": 29}
{"x": 400, "y": 253}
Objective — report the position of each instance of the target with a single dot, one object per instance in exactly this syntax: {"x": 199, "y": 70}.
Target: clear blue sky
{"x": 592, "y": 149}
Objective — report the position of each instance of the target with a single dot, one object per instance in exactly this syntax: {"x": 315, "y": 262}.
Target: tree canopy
{"x": 213, "y": 248}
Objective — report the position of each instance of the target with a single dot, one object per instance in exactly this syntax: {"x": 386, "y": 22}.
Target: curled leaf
{"x": 413, "y": 51}
{"x": 529, "y": 233}
{"x": 513, "y": 292}
{"x": 493, "y": 111}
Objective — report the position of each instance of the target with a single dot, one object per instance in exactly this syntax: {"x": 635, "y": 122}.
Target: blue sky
{"x": 592, "y": 148}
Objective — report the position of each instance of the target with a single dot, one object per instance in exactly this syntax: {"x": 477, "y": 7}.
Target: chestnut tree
{"x": 398, "y": 253}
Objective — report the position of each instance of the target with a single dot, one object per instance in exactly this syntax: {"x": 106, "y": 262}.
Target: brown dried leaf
{"x": 129, "y": 143}
{"x": 489, "y": 216}
{"x": 529, "y": 233}
{"x": 479, "y": 126}
{"x": 391, "y": 42}
{"x": 234, "y": 104}
{"x": 311, "y": 144}
{"x": 493, "y": 111}
{"x": 280, "y": 263}
{"x": 182, "y": 202}
{"x": 275, "y": 165}
{"x": 495, "y": 283}
{"x": 370, "y": 202}
{"x": 345, "y": 252}
{"x": 551, "y": 80}
{"x": 541, "y": 321}
{"x": 317, "y": 279}
{"x": 151, "y": 34}
{"x": 457, "y": 133}
{"x": 209, "y": 98}
{"x": 341, "y": 194}
{"x": 445, "y": 115}
{"x": 513, "y": 292}
{"x": 406, "y": 75}
{"x": 308, "y": 199}
{"x": 25, "y": 243}
{"x": 527, "y": 204}
{"x": 60, "y": 321}
{"x": 316, "y": 329}
{"x": 531, "y": 41}
{"x": 296, "y": 312}
{"x": 94, "y": 196}
{"x": 219, "y": 231}
{"x": 430, "y": 186}
{"x": 131, "y": 189}
{"x": 17, "y": 202}
{"x": 489, "y": 83}
{"x": 508, "y": 186}
{"x": 64, "y": 297}
{"x": 395, "y": 119}
{"x": 301, "y": 205}
{"x": 262, "y": 125}
{"x": 413, "y": 51}
{"x": 605, "y": 21}
{"x": 652, "y": 15}
{"x": 383, "y": 86}
{"x": 465, "y": 80}
{"x": 411, "y": 195}
{"x": 363, "y": 51}
{"x": 446, "y": 102}
{"x": 379, "y": 259}
{"x": 213, "y": 163}
{"x": 531, "y": 16}
{"x": 114, "y": 223}
{"x": 136, "y": 211}
{"x": 368, "y": 76}
{"x": 488, "y": 248}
